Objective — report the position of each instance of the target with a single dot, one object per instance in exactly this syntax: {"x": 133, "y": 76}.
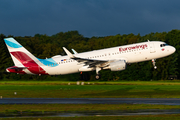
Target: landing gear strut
{"x": 154, "y": 63}
{"x": 97, "y": 73}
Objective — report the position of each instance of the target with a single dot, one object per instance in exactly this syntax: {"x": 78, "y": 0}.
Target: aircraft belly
{"x": 63, "y": 69}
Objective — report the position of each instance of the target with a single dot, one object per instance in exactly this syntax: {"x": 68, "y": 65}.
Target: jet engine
{"x": 118, "y": 65}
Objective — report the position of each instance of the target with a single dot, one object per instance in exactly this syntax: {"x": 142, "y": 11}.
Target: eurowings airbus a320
{"x": 115, "y": 58}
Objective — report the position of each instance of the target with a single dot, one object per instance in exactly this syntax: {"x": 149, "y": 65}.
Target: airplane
{"x": 115, "y": 58}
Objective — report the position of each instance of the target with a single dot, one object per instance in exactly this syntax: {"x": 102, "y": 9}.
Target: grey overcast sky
{"x": 89, "y": 17}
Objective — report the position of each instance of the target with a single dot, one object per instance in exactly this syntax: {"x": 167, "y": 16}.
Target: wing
{"x": 90, "y": 62}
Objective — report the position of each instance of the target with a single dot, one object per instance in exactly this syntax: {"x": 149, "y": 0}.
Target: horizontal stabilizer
{"x": 16, "y": 69}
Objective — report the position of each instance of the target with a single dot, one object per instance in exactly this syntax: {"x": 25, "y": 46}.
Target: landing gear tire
{"x": 97, "y": 76}
{"x": 155, "y": 67}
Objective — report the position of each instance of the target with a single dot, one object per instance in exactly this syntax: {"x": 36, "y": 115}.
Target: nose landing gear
{"x": 154, "y": 63}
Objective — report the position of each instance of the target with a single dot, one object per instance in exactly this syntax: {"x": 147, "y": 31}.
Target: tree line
{"x": 44, "y": 46}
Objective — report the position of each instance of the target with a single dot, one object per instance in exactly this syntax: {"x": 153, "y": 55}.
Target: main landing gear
{"x": 98, "y": 76}
{"x": 154, "y": 63}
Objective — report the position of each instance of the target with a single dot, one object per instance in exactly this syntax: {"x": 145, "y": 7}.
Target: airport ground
{"x": 137, "y": 117}
{"x": 56, "y": 89}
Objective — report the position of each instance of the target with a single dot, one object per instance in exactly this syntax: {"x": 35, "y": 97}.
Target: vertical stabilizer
{"x": 18, "y": 53}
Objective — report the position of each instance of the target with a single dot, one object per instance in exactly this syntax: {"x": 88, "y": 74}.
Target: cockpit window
{"x": 162, "y": 45}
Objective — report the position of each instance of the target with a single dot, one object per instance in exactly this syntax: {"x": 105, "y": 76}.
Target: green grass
{"x": 136, "y": 117}
{"x": 48, "y": 89}
{"x": 164, "y": 82}
{"x": 13, "y": 109}
{"x": 81, "y": 107}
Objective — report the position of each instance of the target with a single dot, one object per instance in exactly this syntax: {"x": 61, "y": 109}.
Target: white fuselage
{"x": 130, "y": 53}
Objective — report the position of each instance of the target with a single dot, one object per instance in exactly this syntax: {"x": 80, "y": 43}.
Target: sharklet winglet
{"x": 74, "y": 51}
{"x": 68, "y": 53}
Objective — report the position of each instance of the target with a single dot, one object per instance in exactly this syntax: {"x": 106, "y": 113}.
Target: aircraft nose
{"x": 173, "y": 49}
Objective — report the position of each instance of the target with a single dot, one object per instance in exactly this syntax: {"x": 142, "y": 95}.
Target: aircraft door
{"x": 152, "y": 48}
